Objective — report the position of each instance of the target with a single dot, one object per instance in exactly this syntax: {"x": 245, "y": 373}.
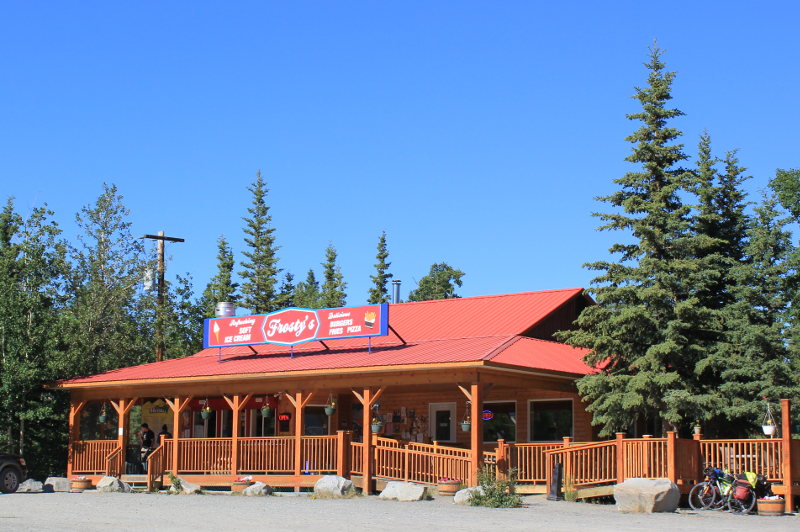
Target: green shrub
{"x": 497, "y": 493}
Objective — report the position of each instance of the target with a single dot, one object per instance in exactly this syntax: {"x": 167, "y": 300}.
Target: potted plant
{"x": 770, "y": 506}
{"x": 79, "y": 483}
{"x": 466, "y": 425}
{"x": 697, "y": 429}
{"x": 376, "y": 424}
{"x": 266, "y": 411}
{"x": 205, "y": 412}
{"x": 103, "y": 417}
{"x": 241, "y": 483}
{"x": 769, "y": 428}
{"x": 330, "y": 407}
{"x": 448, "y": 487}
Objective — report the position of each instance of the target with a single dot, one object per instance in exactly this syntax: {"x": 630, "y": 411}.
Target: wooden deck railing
{"x": 204, "y": 455}
{"x": 318, "y": 454}
{"x": 529, "y": 460}
{"x": 89, "y": 456}
{"x": 420, "y": 462}
{"x": 356, "y": 457}
{"x": 761, "y": 456}
{"x": 266, "y": 455}
{"x": 585, "y": 465}
{"x": 645, "y": 458}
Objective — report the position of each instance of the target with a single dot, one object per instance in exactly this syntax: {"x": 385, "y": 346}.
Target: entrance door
{"x": 442, "y": 418}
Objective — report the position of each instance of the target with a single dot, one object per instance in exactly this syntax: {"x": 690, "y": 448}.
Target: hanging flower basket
{"x": 266, "y": 411}
{"x": 377, "y": 426}
{"x": 330, "y": 410}
{"x": 466, "y": 426}
{"x": 103, "y": 417}
{"x": 769, "y": 429}
{"x": 205, "y": 413}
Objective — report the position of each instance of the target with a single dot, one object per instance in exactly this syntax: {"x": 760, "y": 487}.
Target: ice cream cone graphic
{"x": 216, "y": 331}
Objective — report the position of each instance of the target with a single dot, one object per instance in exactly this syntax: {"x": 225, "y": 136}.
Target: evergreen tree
{"x": 184, "y": 324}
{"x": 379, "y": 293}
{"x": 333, "y": 288}
{"x": 643, "y": 333}
{"x": 786, "y": 185}
{"x": 221, "y": 287}
{"x": 440, "y": 283}
{"x": 31, "y": 273}
{"x": 306, "y": 294}
{"x": 286, "y": 292}
{"x": 107, "y": 323}
{"x": 260, "y": 272}
{"x": 757, "y": 360}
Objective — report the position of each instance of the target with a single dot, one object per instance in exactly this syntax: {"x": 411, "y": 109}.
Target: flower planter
{"x": 377, "y": 427}
{"x": 102, "y": 418}
{"x": 330, "y": 410}
{"x": 769, "y": 430}
{"x": 266, "y": 411}
{"x": 78, "y": 485}
{"x": 239, "y": 486}
{"x": 205, "y": 414}
{"x": 448, "y": 488}
{"x": 770, "y": 506}
{"x": 465, "y": 426}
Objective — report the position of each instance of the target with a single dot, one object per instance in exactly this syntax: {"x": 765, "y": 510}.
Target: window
{"x": 550, "y": 420}
{"x": 503, "y": 422}
{"x": 315, "y": 421}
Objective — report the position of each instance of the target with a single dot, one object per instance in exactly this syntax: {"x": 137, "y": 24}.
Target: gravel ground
{"x": 221, "y": 511}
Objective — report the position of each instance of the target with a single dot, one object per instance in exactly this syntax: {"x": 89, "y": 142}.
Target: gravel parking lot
{"x": 221, "y": 511}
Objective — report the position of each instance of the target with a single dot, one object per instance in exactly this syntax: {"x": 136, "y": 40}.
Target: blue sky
{"x": 475, "y": 133}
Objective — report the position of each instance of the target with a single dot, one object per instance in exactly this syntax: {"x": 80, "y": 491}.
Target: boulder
{"x": 56, "y": 484}
{"x": 463, "y": 496}
{"x": 30, "y": 486}
{"x": 258, "y": 489}
{"x": 404, "y": 491}
{"x": 644, "y": 495}
{"x": 187, "y": 488}
{"x": 112, "y": 485}
{"x": 333, "y": 486}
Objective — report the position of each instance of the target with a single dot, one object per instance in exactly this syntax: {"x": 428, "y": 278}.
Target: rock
{"x": 333, "y": 486}
{"x": 187, "y": 488}
{"x": 258, "y": 489}
{"x": 112, "y": 485}
{"x": 644, "y": 495}
{"x": 30, "y": 486}
{"x": 404, "y": 491}
{"x": 56, "y": 484}
{"x": 462, "y": 496}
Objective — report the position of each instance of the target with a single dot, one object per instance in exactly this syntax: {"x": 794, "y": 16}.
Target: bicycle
{"x": 713, "y": 492}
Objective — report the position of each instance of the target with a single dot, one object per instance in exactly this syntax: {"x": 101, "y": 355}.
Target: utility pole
{"x": 160, "y": 238}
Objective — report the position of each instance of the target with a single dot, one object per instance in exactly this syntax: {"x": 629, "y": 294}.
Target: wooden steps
{"x": 136, "y": 482}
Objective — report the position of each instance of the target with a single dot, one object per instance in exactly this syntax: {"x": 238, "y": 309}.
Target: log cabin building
{"x": 490, "y": 361}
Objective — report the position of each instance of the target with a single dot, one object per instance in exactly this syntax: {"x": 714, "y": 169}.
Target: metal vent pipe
{"x": 224, "y": 310}
{"x": 396, "y": 286}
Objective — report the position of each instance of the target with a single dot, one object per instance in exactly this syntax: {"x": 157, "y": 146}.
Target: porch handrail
{"x": 763, "y": 456}
{"x": 155, "y": 466}
{"x": 114, "y": 462}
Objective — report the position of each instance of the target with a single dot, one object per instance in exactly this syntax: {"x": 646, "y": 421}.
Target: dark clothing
{"x": 162, "y": 435}
{"x": 148, "y": 436}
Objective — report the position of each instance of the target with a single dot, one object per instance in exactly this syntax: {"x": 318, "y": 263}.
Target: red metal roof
{"x": 451, "y": 330}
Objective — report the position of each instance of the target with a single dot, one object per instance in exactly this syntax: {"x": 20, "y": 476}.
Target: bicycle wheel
{"x": 742, "y": 506}
{"x": 702, "y": 496}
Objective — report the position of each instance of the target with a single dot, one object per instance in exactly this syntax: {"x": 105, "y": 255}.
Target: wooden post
{"x": 75, "y": 408}
{"x": 786, "y": 452}
{"x": 476, "y": 433}
{"x": 343, "y": 453}
{"x": 299, "y": 402}
{"x": 620, "y": 451}
{"x": 177, "y": 405}
{"x": 367, "y": 400}
{"x": 237, "y": 403}
{"x": 567, "y": 441}
{"x": 502, "y": 468}
{"x": 672, "y": 461}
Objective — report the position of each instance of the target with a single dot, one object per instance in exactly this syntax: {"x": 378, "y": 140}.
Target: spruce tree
{"x": 332, "y": 293}
{"x": 643, "y": 333}
{"x": 306, "y": 294}
{"x": 379, "y": 293}
{"x": 260, "y": 271}
{"x": 440, "y": 283}
{"x": 184, "y": 323}
{"x": 286, "y": 292}
{"x": 786, "y": 185}
{"x": 221, "y": 287}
